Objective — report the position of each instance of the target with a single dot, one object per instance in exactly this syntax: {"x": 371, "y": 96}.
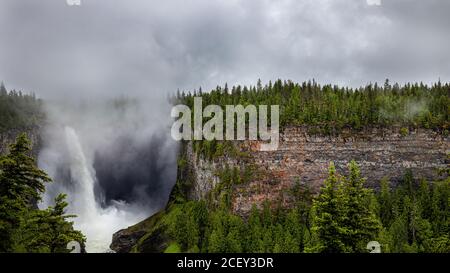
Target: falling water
{"x": 84, "y": 198}
{"x": 97, "y": 223}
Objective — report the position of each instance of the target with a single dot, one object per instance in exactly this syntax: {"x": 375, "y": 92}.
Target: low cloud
{"x": 151, "y": 48}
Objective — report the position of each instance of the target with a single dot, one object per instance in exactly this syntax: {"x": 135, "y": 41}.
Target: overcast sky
{"x": 154, "y": 47}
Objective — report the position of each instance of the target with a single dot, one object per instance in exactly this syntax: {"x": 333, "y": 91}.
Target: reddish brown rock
{"x": 305, "y": 158}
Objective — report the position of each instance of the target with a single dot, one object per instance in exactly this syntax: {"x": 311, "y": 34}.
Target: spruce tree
{"x": 21, "y": 182}
{"x": 24, "y": 228}
{"x": 254, "y": 236}
{"x": 3, "y": 91}
{"x": 47, "y": 230}
{"x": 359, "y": 224}
{"x": 385, "y": 202}
{"x": 20, "y": 179}
{"x": 327, "y": 217}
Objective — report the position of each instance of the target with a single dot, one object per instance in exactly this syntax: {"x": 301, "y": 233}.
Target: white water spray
{"x": 97, "y": 224}
{"x": 84, "y": 198}
{"x": 114, "y": 160}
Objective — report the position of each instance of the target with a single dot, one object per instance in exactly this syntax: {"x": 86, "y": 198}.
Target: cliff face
{"x": 9, "y": 137}
{"x": 304, "y": 158}
{"x": 301, "y": 158}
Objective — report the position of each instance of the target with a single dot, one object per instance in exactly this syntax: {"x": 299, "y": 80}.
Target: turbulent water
{"x": 114, "y": 159}
{"x": 96, "y": 222}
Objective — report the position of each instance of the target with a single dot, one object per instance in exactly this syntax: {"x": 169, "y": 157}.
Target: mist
{"x": 146, "y": 47}
{"x": 114, "y": 158}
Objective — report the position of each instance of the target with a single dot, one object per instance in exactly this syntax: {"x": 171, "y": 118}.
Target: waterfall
{"x": 116, "y": 163}
{"x": 83, "y": 196}
{"x": 97, "y": 223}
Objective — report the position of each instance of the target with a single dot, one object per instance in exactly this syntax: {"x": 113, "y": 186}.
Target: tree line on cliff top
{"x": 18, "y": 110}
{"x": 345, "y": 216}
{"x": 331, "y": 108}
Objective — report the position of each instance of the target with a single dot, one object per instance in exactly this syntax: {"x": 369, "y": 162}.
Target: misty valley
{"x": 376, "y": 158}
{"x": 244, "y": 135}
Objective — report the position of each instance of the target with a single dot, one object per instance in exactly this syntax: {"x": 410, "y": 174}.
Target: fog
{"x": 115, "y": 159}
{"x": 150, "y": 47}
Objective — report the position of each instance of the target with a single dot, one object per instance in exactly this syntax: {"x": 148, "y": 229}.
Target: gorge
{"x": 111, "y": 158}
{"x": 118, "y": 164}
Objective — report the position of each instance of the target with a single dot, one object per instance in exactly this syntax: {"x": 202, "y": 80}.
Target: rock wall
{"x": 9, "y": 137}
{"x": 204, "y": 173}
{"x": 304, "y": 158}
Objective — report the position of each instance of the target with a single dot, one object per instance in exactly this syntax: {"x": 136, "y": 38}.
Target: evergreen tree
{"x": 20, "y": 179}
{"x": 217, "y": 237}
{"x": 234, "y": 234}
{"x": 385, "y": 202}
{"x": 278, "y": 241}
{"x": 424, "y": 199}
{"x": 398, "y": 232}
{"x": 268, "y": 238}
{"x": 255, "y": 237}
{"x": 327, "y": 218}
{"x": 47, "y": 230}
{"x": 20, "y": 184}
{"x": 359, "y": 224}
{"x": 11, "y": 211}
{"x": 293, "y": 229}
{"x": 23, "y": 228}
{"x": 3, "y": 91}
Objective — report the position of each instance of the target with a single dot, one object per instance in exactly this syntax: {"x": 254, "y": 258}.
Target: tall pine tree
{"x": 327, "y": 218}
{"x": 359, "y": 224}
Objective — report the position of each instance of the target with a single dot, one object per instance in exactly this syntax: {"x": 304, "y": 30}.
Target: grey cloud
{"x": 154, "y": 47}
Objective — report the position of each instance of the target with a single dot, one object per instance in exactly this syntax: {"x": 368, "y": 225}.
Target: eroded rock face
{"x": 204, "y": 174}
{"x": 304, "y": 158}
{"x": 9, "y": 137}
{"x": 301, "y": 158}
{"x": 124, "y": 240}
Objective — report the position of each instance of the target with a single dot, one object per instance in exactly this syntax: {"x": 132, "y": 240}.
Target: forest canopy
{"x": 332, "y": 107}
{"x": 19, "y": 110}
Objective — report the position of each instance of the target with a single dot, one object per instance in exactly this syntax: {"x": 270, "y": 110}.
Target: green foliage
{"x": 255, "y": 239}
{"x": 328, "y": 216}
{"x": 330, "y": 108}
{"x": 186, "y": 224}
{"x": 22, "y": 227}
{"x": 184, "y": 177}
{"x": 359, "y": 223}
{"x": 173, "y": 248}
{"x": 213, "y": 149}
{"x": 404, "y": 131}
{"x": 225, "y": 233}
{"x": 47, "y": 230}
{"x": 413, "y": 216}
{"x": 419, "y": 218}
{"x": 20, "y": 178}
{"x": 385, "y": 201}
{"x": 344, "y": 217}
{"x": 18, "y": 110}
